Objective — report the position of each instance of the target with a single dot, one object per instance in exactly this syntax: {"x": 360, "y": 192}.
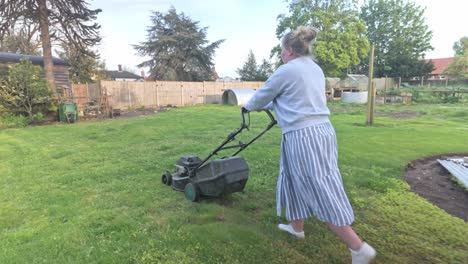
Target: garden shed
{"x": 61, "y": 67}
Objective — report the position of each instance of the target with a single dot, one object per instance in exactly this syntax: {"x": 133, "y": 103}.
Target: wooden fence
{"x": 85, "y": 93}
{"x": 125, "y": 95}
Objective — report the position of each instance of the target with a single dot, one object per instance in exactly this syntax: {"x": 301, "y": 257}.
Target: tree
{"x": 341, "y": 43}
{"x": 264, "y": 70}
{"x": 25, "y": 91}
{"x": 459, "y": 66}
{"x": 401, "y": 37}
{"x": 63, "y": 20}
{"x": 84, "y": 68}
{"x": 461, "y": 46}
{"x": 250, "y": 71}
{"x": 21, "y": 38}
{"x": 177, "y": 48}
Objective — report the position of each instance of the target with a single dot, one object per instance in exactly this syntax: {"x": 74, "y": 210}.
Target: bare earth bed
{"x": 433, "y": 182}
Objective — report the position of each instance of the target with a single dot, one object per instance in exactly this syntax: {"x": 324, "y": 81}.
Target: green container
{"x": 68, "y": 112}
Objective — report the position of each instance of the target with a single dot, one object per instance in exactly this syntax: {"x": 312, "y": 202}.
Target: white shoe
{"x": 290, "y": 229}
{"x": 364, "y": 255}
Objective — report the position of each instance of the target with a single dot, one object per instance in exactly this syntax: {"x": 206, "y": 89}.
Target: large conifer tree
{"x": 178, "y": 48}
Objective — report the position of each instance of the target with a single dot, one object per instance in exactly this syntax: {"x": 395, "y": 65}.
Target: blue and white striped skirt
{"x": 310, "y": 182}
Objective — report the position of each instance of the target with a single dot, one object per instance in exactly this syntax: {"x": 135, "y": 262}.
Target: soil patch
{"x": 117, "y": 113}
{"x": 140, "y": 112}
{"x": 400, "y": 115}
{"x": 432, "y": 181}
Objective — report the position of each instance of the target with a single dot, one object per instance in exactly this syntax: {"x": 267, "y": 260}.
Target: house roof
{"x": 440, "y": 65}
{"x": 123, "y": 75}
{"x": 36, "y": 60}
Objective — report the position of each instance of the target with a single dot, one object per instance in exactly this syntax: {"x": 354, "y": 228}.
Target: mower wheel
{"x": 192, "y": 192}
{"x": 166, "y": 178}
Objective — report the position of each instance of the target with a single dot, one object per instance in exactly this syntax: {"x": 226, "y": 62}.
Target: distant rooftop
{"x": 123, "y": 75}
{"x": 440, "y": 65}
{"x": 36, "y": 60}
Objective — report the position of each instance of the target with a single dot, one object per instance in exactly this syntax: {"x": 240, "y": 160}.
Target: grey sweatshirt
{"x": 296, "y": 90}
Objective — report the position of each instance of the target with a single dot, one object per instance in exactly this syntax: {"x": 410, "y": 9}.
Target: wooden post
{"x": 385, "y": 91}
{"x": 399, "y": 82}
{"x": 182, "y": 100}
{"x": 129, "y": 95}
{"x": 157, "y": 94}
{"x": 203, "y": 93}
{"x": 370, "y": 89}
{"x": 374, "y": 93}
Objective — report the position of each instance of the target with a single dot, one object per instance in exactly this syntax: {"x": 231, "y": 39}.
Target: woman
{"x": 309, "y": 183}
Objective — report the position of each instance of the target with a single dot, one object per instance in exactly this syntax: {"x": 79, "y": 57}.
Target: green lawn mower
{"x": 196, "y": 177}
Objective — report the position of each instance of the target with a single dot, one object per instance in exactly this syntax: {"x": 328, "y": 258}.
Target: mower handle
{"x": 245, "y": 111}
{"x": 234, "y": 133}
{"x": 242, "y": 145}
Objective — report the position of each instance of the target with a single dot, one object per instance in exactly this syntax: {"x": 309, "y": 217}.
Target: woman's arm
{"x": 265, "y": 95}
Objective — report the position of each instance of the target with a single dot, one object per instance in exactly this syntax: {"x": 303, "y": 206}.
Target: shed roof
{"x": 36, "y": 60}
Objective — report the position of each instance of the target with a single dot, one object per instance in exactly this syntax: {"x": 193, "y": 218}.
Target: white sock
{"x": 363, "y": 255}
{"x": 290, "y": 229}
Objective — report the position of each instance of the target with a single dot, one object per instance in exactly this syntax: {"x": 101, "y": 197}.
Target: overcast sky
{"x": 244, "y": 24}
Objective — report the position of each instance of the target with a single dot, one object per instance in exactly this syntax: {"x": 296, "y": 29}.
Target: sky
{"x": 244, "y": 24}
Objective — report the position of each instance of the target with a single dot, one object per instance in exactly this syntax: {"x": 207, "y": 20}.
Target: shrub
{"x": 25, "y": 91}
{"x": 10, "y": 120}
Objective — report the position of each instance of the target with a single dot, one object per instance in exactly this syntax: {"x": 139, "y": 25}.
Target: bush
{"x": 422, "y": 96}
{"x": 25, "y": 92}
{"x": 391, "y": 91}
{"x": 10, "y": 120}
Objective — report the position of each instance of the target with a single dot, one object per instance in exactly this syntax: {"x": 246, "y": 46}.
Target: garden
{"x": 91, "y": 192}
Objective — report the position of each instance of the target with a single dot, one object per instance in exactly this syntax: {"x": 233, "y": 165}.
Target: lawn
{"x": 91, "y": 192}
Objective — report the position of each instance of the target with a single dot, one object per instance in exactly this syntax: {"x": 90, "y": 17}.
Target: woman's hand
{"x": 244, "y": 110}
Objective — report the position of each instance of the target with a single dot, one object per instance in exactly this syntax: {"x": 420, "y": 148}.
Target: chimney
{"x": 120, "y": 67}
{"x": 142, "y": 74}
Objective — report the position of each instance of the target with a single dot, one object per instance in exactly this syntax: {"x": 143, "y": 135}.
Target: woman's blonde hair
{"x": 299, "y": 40}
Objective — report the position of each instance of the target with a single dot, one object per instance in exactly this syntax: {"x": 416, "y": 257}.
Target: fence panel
{"x": 80, "y": 95}
{"x": 169, "y": 93}
{"x": 211, "y": 92}
{"x": 192, "y": 93}
{"x": 125, "y": 95}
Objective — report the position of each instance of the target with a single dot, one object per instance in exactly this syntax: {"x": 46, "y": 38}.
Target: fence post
{"x": 203, "y": 93}
{"x": 385, "y": 91}
{"x": 370, "y": 92}
{"x": 129, "y": 95}
{"x": 157, "y": 94}
{"x": 182, "y": 100}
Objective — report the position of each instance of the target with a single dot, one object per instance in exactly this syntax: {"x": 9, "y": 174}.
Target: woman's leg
{"x": 347, "y": 235}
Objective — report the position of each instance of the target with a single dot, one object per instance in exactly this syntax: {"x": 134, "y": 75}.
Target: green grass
{"x": 91, "y": 192}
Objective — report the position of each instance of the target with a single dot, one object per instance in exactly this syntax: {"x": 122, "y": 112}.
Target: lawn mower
{"x": 196, "y": 177}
